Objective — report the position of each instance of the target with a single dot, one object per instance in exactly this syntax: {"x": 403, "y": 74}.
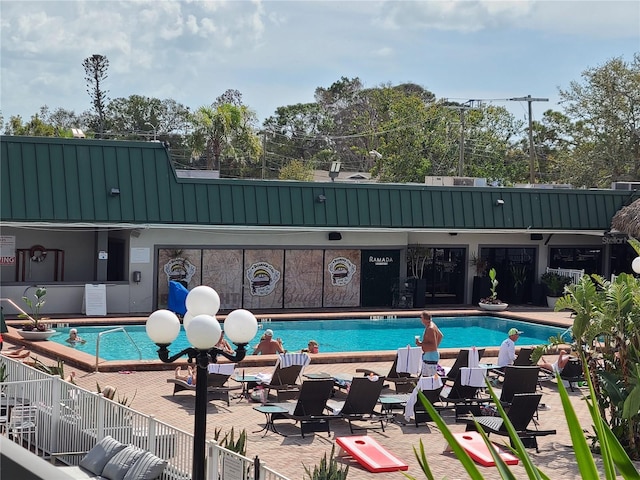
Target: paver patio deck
{"x": 287, "y": 455}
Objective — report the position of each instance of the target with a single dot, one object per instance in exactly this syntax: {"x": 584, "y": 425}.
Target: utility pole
{"x": 529, "y": 99}
{"x": 264, "y": 154}
{"x": 462, "y": 108}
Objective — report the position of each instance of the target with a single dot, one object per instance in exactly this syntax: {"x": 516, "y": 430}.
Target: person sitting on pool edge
{"x": 507, "y": 353}
{"x": 223, "y": 344}
{"x": 74, "y": 338}
{"x": 267, "y": 345}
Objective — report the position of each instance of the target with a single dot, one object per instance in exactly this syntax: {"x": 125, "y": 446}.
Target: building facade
{"x": 78, "y": 213}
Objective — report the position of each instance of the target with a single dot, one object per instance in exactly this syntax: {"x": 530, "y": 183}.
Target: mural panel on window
{"x": 222, "y": 270}
{"x": 342, "y": 278}
{"x": 263, "y": 285}
{"x": 180, "y": 265}
{"x": 303, "y": 285}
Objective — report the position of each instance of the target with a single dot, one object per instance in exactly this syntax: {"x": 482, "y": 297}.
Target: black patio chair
{"x": 309, "y": 408}
{"x": 521, "y": 412}
{"x": 462, "y": 360}
{"x": 360, "y": 402}
{"x": 403, "y": 382}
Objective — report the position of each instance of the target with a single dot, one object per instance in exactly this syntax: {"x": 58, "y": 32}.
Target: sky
{"x": 277, "y": 53}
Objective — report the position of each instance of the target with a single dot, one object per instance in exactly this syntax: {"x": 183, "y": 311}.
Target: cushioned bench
{"x": 112, "y": 460}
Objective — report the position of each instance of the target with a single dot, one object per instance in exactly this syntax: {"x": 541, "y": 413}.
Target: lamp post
{"x": 203, "y": 332}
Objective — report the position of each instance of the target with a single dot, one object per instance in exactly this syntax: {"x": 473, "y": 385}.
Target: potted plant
{"x": 492, "y": 302}
{"x": 36, "y": 328}
{"x": 554, "y": 284}
{"x": 519, "y": 276}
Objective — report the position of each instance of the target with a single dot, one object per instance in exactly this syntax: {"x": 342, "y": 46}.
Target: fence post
{"x": 213, "y": 461}
{"x": 151, "y": 435}
{"x": 56, "y": 400}
{"x": 256, "y": 468}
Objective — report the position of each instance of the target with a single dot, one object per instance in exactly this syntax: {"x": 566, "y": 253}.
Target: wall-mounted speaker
{"x": 335, "y": 236}
{"x": 536, "y": 236}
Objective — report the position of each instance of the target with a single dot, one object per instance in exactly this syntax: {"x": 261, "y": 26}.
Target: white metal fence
{"x": 575, "y": 275}
{"x": 71, "y": 420}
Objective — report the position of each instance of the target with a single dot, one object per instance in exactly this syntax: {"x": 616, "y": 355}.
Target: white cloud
{"x": 278, "y": 52}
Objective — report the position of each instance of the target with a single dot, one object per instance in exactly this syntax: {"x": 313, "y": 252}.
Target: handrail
{"x": 117, "y": 329}
{"x": 8, "y": 300}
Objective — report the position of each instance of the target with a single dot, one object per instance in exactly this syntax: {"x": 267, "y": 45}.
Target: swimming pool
{"x": 346, "y": 335}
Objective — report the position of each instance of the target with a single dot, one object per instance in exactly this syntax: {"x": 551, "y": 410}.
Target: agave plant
{"x": 328, "y": 469}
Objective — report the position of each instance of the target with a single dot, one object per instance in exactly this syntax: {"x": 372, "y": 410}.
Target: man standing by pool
{"x": 507, "y": 353}
{"x": 431, "y": 338}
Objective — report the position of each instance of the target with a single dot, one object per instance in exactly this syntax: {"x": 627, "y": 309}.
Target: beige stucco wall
{"x": 128, "y": 297}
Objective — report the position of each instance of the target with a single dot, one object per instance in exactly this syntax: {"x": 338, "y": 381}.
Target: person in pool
{"x": 267, "y": 345}
{"x": 74, "y": 337}
{"x": 431, "y": 338}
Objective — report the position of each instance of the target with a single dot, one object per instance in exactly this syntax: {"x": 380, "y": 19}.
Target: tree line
{"x": 395, "y": 133}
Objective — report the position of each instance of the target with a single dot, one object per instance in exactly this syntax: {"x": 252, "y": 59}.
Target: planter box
{"x": 36, "y": 335}
{"x": 551, "y": 302}
{"x": 493, "y": 307}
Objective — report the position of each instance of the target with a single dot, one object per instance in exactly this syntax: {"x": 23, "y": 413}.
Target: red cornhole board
{"x": 474, "y": 445}
{"x": 370, "y": 454}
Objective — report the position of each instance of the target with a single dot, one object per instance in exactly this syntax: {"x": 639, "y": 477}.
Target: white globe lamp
{"x": 203, "y": 300}
{"x": 204, "y": 332}
{"x": 163, "y": 327}
{"x": 635, "y": 265}
{"x": 240, "y": 326}
{"x": 186, "y": 319}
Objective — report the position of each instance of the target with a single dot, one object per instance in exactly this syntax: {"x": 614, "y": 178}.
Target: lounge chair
{"x": 523, "y": 359}
{"x": 310, "y": 406}
{"x": 572, "y": 373}
{"x": 360, "y": 402}
{"x": 521, "y": 412}
{"x": 217, "y": 378}
{"x": 518, "y": 380}
{"x": 463, "y": 398}
{"x": 287, "y": 372}
{"x": 431, "y": 387}
{"x": 403, "y": 381}
{"x": 462, "y": 360}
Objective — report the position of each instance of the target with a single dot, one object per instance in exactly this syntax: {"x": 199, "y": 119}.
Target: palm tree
{"x": 223, "y": 131}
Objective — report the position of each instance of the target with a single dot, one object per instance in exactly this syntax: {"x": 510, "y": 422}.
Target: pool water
{"x": 357, "y": 335}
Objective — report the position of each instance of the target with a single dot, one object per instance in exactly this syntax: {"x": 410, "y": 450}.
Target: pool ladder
{"x": 113, "y": 330}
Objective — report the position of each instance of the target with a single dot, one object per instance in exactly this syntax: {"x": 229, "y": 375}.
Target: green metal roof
{"x": 58, "y": 180}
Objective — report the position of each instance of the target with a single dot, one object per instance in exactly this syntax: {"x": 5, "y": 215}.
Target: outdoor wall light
{"x": 499, "y": 202}
{"x": 203, "y": 333}
{"x": 321, "y": 198}
{"x": 114, "y": 192}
